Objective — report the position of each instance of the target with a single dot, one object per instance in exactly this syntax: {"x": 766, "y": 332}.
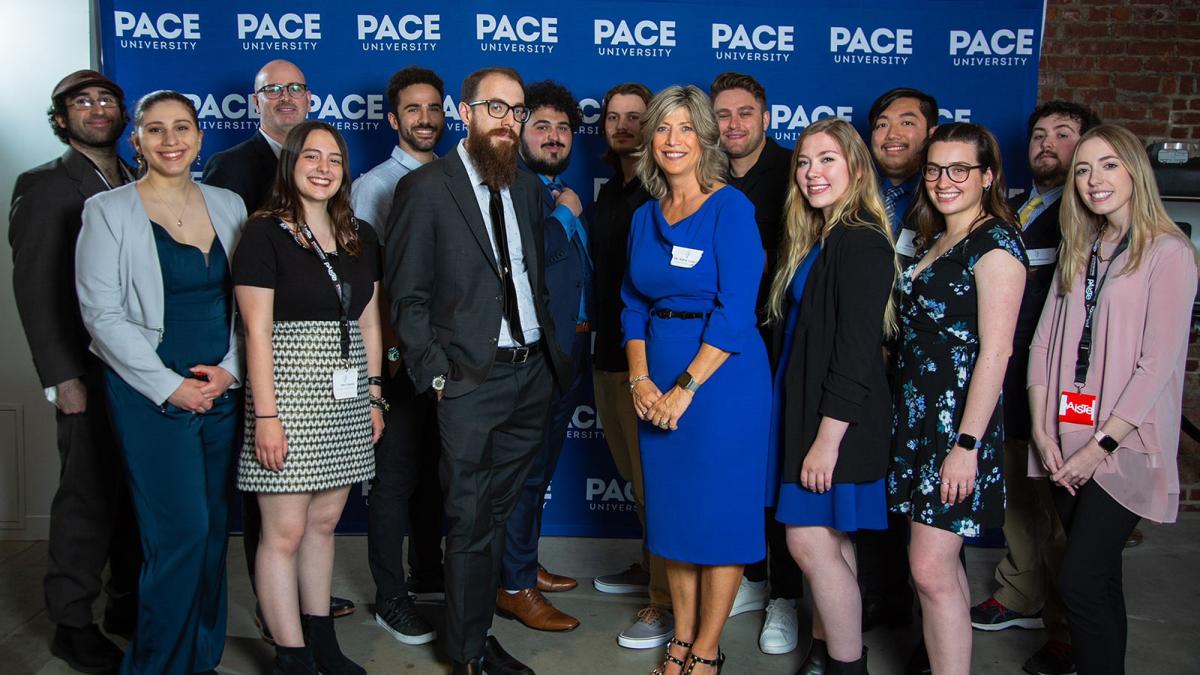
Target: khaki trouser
{"x": 614, "y": 406}
{"x": 1028, "y": 574}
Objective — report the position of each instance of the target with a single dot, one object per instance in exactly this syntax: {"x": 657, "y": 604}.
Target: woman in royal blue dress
{"x": 698, "y": 372}
{"x": 832, "y": 413}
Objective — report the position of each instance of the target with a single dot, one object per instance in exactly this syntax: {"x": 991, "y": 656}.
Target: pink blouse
{"x": 1139, "y": 346}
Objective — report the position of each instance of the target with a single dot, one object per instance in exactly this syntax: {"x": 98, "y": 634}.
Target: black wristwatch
{"x": 686, "y": 381}
{"x": 967, "y": 442}
{"x": 1106, "y": 442}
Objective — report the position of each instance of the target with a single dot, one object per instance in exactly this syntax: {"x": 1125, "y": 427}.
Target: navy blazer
{"x": 247, "y": 168}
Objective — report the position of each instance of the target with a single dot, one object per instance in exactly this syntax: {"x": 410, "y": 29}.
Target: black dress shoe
{"x": 339, "y": 607}
{"x": 471, "y": 667}
{"x": 496, "y": 661}
{"x": 86, "y": 649}
{"x": 120, "y": 617}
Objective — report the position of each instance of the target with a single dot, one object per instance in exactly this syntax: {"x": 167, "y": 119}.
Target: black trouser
{"x": 405, "y": 498}
{"x": 883, "y": 565}
{"x": 489, "y": 438}
{"x": 1097, "y": 528}
{"x": 787, "y": 581}
{"x": 92, "y": 522}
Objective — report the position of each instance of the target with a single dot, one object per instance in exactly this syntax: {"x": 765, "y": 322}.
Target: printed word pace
{"x": 166, "y": 31}
{"x": 288, "y": 32}
{"x": 645, "y": 38}
{"x": 1004, "y": 47}
{"x": 882, "y": 46}
{"x": 759, "y": 43}
{"x": 529, "y": 34}
{"x": 408, "y": 33}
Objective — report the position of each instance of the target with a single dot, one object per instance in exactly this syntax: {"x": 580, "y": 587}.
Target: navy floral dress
{"x": 939, "y": 343}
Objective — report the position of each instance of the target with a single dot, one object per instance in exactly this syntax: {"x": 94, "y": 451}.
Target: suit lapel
{"x": 85, "y": 175}
{"x": 463, "y": 193}
{"x": 531, "y": 236}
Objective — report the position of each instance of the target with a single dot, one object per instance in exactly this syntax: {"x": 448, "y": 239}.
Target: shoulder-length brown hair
{"x": 713, "y": 166}
{"x": 1148, "y": 218}
{"x": 925, "y": 217}
{"x": 284, "y": 202}
{"x": 805, "y": 227}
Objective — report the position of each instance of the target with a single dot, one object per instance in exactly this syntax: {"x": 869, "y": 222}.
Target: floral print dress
{"x": 939, "y": 343}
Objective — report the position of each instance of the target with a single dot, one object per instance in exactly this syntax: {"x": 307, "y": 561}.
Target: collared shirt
{"x": 371, "y": 194}
{"x": 902, "y": 199}
{"x": 526, "y": 308}
{"x": 1049, "y": 198}
{"x": 577, "y": 234}
{"x": 276, "y": 146}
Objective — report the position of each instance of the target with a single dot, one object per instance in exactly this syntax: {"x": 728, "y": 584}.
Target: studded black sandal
{"x": 668, "y": 658}
{"x": 715, "y": 663}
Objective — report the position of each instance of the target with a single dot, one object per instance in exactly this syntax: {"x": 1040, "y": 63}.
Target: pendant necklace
{"x": 186, "y": 200}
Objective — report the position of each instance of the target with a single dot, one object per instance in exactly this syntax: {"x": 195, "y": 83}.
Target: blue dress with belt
{"x": 846, "y": 507}
{"x": 705, "y": 483}
{"x": 179, "y": 467}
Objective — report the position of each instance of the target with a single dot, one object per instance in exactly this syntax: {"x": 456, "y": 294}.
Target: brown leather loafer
{"x": 531, "y": 608}
{"x": 553, "y": 583}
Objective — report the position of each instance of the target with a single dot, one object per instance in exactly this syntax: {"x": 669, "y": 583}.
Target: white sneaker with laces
{"x": 751, "y": 597}
{"x": 780, "y": 631}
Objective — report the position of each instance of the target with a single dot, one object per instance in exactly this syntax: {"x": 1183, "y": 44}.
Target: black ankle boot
{"x": 293, "y": 661}
{"x": 859, "y": 667}
{"x": 318, "y": 633}
{"x": 815, "y": 662}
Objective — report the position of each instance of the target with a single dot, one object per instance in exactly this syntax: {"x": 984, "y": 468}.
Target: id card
{"x": 685, "y": 257}
{"x": 345, "y": 383}
{"x": 1077, "y": 408}
{"x": 1041, "y": 256}
{"x": 905, "y": 245}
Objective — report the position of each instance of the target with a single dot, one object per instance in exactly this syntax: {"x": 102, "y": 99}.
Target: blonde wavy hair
{"x": 806, "y": 227}
{"x": 1148, "y": 218}
{"x": 713, "y": 166}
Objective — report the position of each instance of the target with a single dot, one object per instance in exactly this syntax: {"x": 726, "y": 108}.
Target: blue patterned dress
{"x": 939, "y": 343}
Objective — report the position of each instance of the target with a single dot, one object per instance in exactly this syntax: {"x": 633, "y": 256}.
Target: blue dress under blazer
{"x": 155, "y": 308}
{"x": 705, "y": 482}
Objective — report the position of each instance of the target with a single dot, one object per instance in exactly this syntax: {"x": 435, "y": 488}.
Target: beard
{"x": 95, "y": 138}
{"x": 496, "y": 163}
{"x": 419, "y": 143}
{"x": 545, "y": 165}
{"x": 1049, "y": 174}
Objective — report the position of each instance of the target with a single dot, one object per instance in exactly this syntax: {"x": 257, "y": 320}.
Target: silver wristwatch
{"x": 439, "y": 383}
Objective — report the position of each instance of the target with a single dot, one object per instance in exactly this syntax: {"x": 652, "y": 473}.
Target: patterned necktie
{"x": 496, "y": 206}
{"x": 1027, "y": 210}
{"x": 890, "y": 196}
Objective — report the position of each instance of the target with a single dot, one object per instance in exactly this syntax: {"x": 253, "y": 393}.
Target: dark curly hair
{"x": 550, "y": 94}
{"x": 1085, "y": 116}
{"x": 58, "y": 108}
{"x": 407, "y": 77}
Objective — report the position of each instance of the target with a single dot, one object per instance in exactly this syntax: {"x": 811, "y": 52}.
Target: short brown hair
{"x": 624, "y": 89}
{"x": 727, "y": 81}
{"x": 470, "y": 85}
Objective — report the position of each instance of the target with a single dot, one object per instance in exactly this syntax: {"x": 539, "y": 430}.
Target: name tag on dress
{"x": 1077, "y": 408}
{"x": 905, "y": 245}
{"x": 685, "y": 257}
{"x": 1042, "y": 256}
{"x": 345, "y": 383}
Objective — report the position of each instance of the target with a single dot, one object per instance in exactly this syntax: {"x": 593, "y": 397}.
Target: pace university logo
{"x": 881, "y": 46}
{"x": 1006, "y": 47}
{"x": 283, "y": 32}
{"x": 167, "y": 31}
{"x": 644, "y": 39}
{"x": 788, "y": 121}
{"x": 739, "y": 42}
{"x": 407, "y": 33}
{"x": 524, "y": 34}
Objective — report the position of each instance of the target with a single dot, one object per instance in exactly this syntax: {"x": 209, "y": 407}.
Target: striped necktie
{"x": 889, "y": 202}
{"x": 1027, "y": 210}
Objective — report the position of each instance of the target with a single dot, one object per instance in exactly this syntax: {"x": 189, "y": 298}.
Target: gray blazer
{"x": 120, "y": 285}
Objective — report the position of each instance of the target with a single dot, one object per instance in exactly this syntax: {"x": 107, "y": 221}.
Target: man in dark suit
{"x": 545, "y": 153}
{"x": 91, "y": 518}
{"x": 761, "y": 169}
{"x": 464, "y": 267}
{"x": 281, "y": 97}
{"x": 1027, "y": 596}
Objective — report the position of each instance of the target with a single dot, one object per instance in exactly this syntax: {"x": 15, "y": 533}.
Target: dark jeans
{"x": 405, "y": 498}
{"x": 787, "y": 581}
{"x": 1097, "y": 528}
{"x": 92, "y": 521}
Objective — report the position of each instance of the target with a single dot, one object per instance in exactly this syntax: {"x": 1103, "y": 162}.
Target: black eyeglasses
{"x": 274, "y": 91}
{"x": 498, "y": 109}
{"x": 87, "y": 103}
{"x": 957, "y": 172}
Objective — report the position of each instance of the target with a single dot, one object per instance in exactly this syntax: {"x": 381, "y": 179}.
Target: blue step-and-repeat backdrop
{"x": 979, "y": 58}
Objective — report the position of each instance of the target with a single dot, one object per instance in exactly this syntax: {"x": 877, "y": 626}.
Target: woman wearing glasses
{"x": 959, "y": 311}
{"x": 154, "y": 286}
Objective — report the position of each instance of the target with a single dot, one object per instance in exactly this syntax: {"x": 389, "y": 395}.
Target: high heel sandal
{"x": 669, "y": 659}
{"x": 715, "y": 663}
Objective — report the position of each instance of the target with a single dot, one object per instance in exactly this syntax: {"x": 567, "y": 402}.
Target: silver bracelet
{"x": 633, "y": 383}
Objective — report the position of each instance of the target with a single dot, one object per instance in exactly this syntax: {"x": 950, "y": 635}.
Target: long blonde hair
{"x": 806, "y": 227}
{"x": 1080, "y": 227}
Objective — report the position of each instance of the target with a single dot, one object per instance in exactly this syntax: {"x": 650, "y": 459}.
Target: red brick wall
{"x": 1136, "y": 62}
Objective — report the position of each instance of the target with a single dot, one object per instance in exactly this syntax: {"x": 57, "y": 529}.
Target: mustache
{"x": 553, "y": 144}
{"x": 503, "y": 133}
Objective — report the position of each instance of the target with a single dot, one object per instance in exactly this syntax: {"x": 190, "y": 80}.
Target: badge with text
{"x": 1077, "y": 408}
{"x": 1041, "y": 256}
{"x": 906, "y": 243}
{"x": 345, "y": 383}
{"x": 685, "y": 257}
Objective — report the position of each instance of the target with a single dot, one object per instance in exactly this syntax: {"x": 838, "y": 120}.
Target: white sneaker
{"x": 780, "y": 633}
{"x": 751, "y": 597}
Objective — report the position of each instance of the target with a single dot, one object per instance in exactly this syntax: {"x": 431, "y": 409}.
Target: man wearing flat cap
{"x": 91, "y": 520}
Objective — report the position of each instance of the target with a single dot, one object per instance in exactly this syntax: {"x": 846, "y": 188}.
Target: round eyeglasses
{"x": 498, "y": 109}
{"x": 957, "y": 172}
{"x": 87, "y": 103}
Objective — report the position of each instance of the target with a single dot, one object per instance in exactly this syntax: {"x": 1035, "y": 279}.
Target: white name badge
{"x": 905, "y": 245}
{"x": 1042, "y": 256}
{"x": 685, "y": 257}
{"x": 345, "y": 383}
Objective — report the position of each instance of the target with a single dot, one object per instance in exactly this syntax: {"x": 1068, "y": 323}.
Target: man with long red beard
{"x": 469, "y": 305}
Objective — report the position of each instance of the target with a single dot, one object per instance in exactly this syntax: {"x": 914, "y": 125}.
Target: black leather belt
{"x": 517, "y": 355}
{"x": 672, "y": 314}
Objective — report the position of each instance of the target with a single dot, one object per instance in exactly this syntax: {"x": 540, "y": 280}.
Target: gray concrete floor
{"x": 1161, "y": 584}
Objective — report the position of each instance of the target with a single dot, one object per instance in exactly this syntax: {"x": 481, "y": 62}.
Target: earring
{"x": 987, "y": 187}
{"x": 139, "y": 160}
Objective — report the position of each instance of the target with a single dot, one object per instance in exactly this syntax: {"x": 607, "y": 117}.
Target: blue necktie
{"x": 890, "y": 196}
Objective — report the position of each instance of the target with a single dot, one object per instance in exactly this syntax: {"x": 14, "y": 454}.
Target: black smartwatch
{"x": 1106, "y": 442}
{"x": 967, "y": 442}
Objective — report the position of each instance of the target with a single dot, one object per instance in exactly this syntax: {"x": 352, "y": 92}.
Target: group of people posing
{"x": 832, "y": 363}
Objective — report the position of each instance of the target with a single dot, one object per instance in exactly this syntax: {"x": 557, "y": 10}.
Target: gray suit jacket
{"x": 443, "y": 278}
{"x": 120, "y": 285}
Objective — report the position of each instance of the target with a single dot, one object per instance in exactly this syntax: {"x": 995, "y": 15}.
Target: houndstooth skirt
{"x": 328, "y": 441}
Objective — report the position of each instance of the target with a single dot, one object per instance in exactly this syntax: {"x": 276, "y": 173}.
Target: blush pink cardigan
{"x": 1139, "y": 346}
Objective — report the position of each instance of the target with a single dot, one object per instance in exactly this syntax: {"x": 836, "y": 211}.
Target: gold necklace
{"x": 186, "y": 200}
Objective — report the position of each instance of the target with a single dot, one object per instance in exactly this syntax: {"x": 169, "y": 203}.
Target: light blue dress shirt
{"x": 371, "y": 194}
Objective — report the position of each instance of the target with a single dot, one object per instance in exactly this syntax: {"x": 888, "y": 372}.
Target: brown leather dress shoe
{"x": 553, "y": 583}
{"x": 531, "y": 608}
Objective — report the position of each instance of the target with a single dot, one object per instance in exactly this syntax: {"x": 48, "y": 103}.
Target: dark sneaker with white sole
{"x": 398, "y": 616}
{"x": 1054, "y": 658}
{"x": 635, "y": 579}
{"x": 990, "y": 615}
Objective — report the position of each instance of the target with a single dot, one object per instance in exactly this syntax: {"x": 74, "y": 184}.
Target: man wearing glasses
{"x": 465, "y": 272}
{"x": 91, "y": 520}
{"x": 282, "y": 99}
